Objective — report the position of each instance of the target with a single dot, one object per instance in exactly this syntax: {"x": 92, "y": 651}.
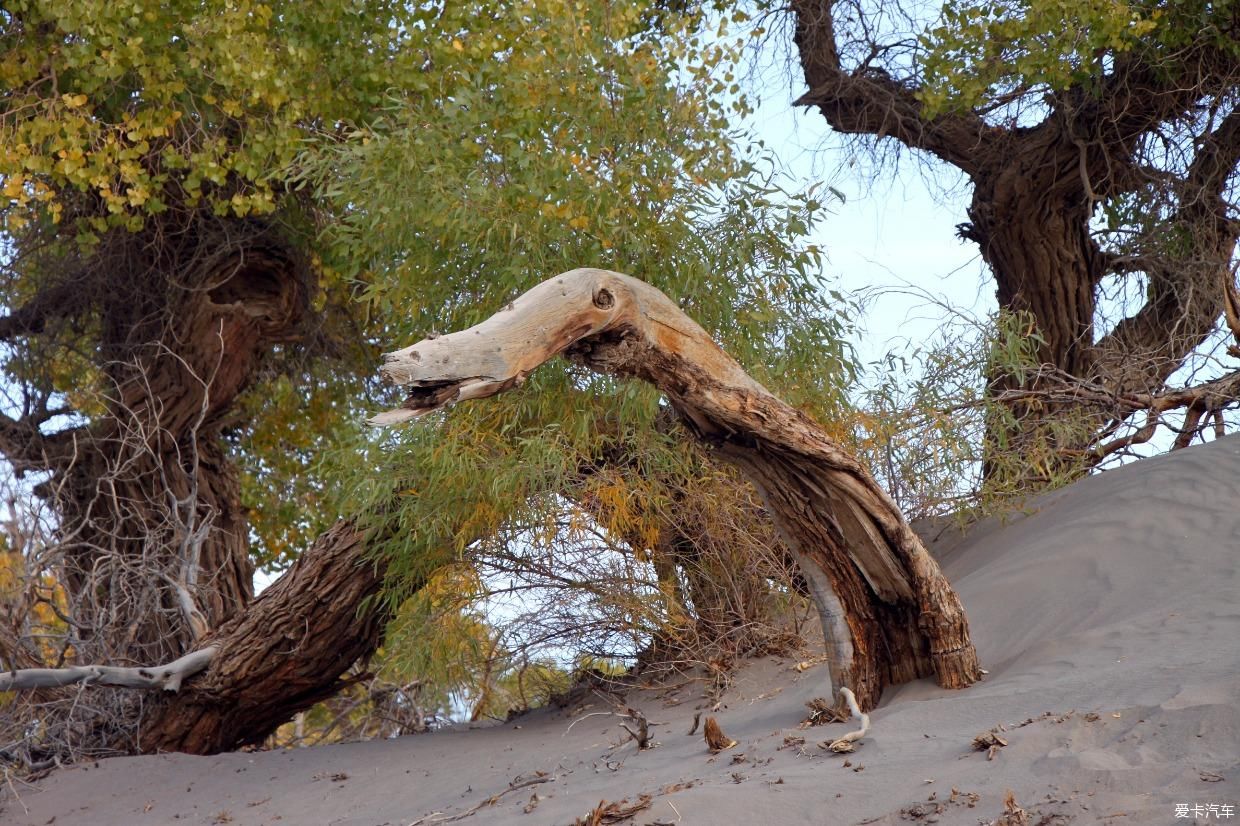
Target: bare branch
{"x": 168, "y": 677}
{"x": 1231, "y": 311}
{"x": 1148, "y": 87}
{"x": 870, "y": 101}
{"x": 1190, "y": 290}
{"x": 1214, "y": 164}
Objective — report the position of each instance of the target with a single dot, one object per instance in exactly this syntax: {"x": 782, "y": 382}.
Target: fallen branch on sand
{"x": 821, "y": 712}
{"x": 642, "y": 735}
{"x": 989, "y": 742}
{"x": 605, "y": 812}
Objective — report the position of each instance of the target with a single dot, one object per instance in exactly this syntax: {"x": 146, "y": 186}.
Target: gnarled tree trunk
{"x": 1036, "y": 187}
{"x": 888, "y": 613}
{"x": 1030, "y": 223}
{"x": 154, "y": 539}
{"x": 153, "y": 543}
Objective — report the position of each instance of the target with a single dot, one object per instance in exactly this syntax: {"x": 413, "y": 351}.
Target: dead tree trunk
{"x": 887, "y": 612}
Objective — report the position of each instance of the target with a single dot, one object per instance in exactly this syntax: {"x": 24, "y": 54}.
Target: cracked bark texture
{"x": 287, "y": 651}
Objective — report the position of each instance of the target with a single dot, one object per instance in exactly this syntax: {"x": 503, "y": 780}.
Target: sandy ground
{"x": 1108, "y": 617}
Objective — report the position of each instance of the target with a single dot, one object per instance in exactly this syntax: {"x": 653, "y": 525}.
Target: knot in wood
{"x": 603, "y": 299}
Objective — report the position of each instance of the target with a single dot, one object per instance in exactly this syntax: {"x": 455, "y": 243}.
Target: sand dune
{"x": 1107, "y": 615}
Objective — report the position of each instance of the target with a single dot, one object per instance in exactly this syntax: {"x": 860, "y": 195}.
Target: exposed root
{"x": 848, "y": 742}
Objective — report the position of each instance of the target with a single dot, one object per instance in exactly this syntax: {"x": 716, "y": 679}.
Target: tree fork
{"x": 1035, "y": 189}
{"x": 887, "y": 611}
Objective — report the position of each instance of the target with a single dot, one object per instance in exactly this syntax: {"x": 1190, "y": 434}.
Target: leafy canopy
{"x": 573, "y": 134}
{"x": 120, "y": 115}
{"x": 136, "y": 107}
{"x": 983, "y": 52}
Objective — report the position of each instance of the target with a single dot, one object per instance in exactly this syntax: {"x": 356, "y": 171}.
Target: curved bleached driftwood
{"x": 887, "y": 612}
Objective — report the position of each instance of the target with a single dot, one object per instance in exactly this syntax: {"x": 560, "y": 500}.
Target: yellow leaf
{"x": 13, "y": 186}
{"x": 458, "y": 45}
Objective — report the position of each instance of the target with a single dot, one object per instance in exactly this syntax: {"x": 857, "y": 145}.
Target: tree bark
{"x": 286, "y": 652}
{"x": 153, "y": 543}
{"x": 888, "y": 613}
{"x": 154, "y": 540}
{"x": 1029, "y": 218}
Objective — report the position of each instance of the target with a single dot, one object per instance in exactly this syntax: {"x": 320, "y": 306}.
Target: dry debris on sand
{"x": 1105, "y": 615}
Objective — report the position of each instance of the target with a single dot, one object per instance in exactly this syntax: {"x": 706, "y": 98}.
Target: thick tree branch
{"x": 870, "y": 101}
{"x": 1214, "y": 165}
{"x": 887, "y": 612}
{"x": 27, "y": 449}
{"x": 1231, "y": 312}
{"x": 1148, "y": 87}
{"x": 60, "y": 300}
{"x": 287, "y": 651}
{"x": 1189, "y": 290}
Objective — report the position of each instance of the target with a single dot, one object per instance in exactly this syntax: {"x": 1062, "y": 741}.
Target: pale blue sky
{"x": 896, "y": 229}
